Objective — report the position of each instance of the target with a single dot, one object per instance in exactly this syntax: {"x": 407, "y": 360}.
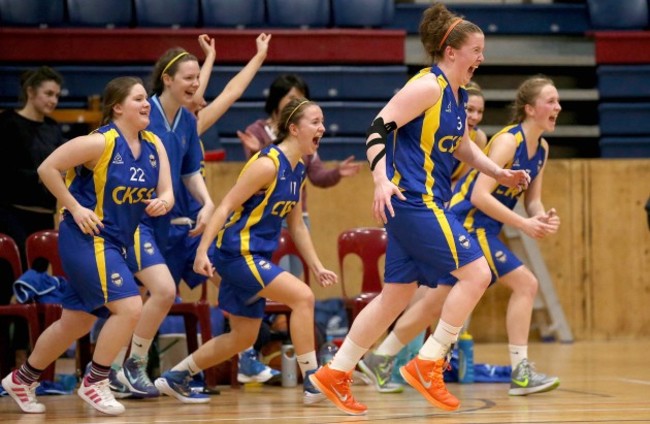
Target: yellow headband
{"x": 286, "y": 124}
{"x": 451, "y": 28}
{"x": 171, "y": 62}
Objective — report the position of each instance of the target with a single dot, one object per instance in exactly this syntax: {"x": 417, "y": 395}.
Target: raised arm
{"x": 235, "y": 87}
{"x": 207, "y": 45}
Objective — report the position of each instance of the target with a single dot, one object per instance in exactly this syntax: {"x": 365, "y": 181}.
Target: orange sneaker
{"x": 426, "y": 377}
{"x": 336, "y": 386}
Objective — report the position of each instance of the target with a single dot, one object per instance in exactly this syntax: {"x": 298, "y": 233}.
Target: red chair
{"x": 370, "y": 245}
{"x": 286, "y": 246}
{"x": 45, "y": 244}
{"x": 9, "y": 252}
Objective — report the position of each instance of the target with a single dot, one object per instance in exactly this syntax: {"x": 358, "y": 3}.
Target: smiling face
{"x": 545, "y": 109}
{"x": 309, "y": 129}
{"x": 475, "y": 109}
{"x": 184, "y": 83}
{"x": 466, "y": 59}
{"x": 45, "y": 97}
{"x": 134, "y": 109}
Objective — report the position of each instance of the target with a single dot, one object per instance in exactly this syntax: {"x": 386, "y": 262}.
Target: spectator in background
{"x": 26, "y": 206}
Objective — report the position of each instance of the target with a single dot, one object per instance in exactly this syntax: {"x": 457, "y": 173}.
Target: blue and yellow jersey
{"x": 460, "y": 167}
{"x": 256, "y": 225}
{"x": 420, "y": 158}
{"x": 181, "y": 141}
{"x": 189, "y": 203}
{"x": 473, "y": 218}
{"x": 118, "y": 185}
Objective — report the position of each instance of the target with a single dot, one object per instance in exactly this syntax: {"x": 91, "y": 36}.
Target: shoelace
{"x": 435, "y": 375}
{"x": 390, "y": 364}
{"x": 345, "y": 384}
{"x": 185, "y": 385}
{"x": 141, "y": 371}
{"x": 102, "y": 388}
{"x": 31, "y": 393}
{"x": 256, "y": 365}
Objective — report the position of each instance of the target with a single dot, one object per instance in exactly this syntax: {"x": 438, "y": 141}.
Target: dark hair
{"x": 435, "y": 32}
{"x": 291, "y": 114}
{"x": 35, "y": 77}
{"x": 280, "y": 87}
{"x": 168, "y": 63}
{"x": 527, "y": 93}
{"x": 115, "y": 92}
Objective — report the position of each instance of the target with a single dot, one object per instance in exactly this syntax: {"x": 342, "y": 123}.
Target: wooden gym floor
{"x": 602, "y": 382}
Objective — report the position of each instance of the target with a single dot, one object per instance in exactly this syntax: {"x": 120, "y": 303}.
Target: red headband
{"x": 451, "y": 28}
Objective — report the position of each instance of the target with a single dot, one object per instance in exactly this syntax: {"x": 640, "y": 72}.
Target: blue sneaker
{"x": 177, "y": 384}
{"x": 251, "y": 370}
{"x": 120, "y": 391}
{"x": 134, "y": 376}
{"x": 311, "y": 394}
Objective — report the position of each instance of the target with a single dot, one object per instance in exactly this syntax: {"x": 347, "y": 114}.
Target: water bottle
{"x": 289, "y": 366}
{"x": 465, "y": 358}
{"x": 327, "y": 351}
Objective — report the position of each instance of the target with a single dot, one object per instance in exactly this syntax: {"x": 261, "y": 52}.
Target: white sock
{"x": 517, "y": 354}
{"x": 437, "y": 345}
{"x": 390, "y": 346}
{"x": 187, "y": 364}
{"x": 119, "y": 359}
{"x": 348, "y": 356}
{"x": 307, "y": 362}
{"x": 140, "y": 346}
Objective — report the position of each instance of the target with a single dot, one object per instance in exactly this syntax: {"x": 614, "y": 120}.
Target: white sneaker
{"x": 23, "y": 394}
{"x": 100, "y": 397}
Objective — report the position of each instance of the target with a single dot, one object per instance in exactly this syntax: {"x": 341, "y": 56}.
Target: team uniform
{"x": 484, "y": 229}
{"x": 181, "y": 248}
{"x": 249, "y": 237}
{"x": 461, "y": 166}
{"x": 115, "y": 190}
{"x": 181, "y": 142}
{"x": 425, "y": 241}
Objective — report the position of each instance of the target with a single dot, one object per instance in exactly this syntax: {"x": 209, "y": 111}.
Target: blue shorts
{"x": 242, "y": 278}
{"x": 96, "y": 268}
{"x": 180, "y": 254}
{"x": 145, "y": 251}
{"x": 501, "y": 259}
{"x": 425, "y": 243}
